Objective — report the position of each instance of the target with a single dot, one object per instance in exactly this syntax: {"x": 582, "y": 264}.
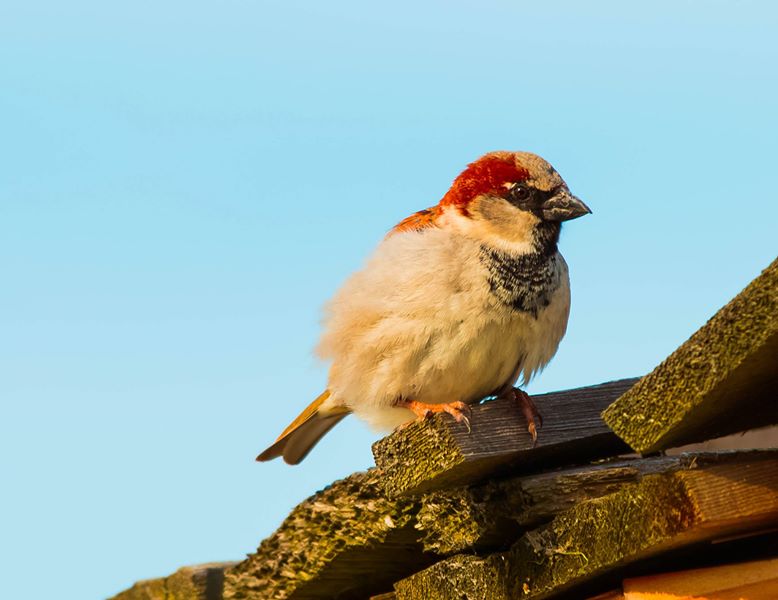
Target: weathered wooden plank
{"x": 755, "y": 580}
{"x": 337, "y": 541}
{"x": 346, "y": 541}
{"x": 722, "y": 380}
{"x": 492, "y": 515}
{"x": 461, "y": 577}
{"x": 662, "y": 513}
{"x": 762, "y": 590}
{"x": 198, "y": 582}
{"x": 440, "y": 453}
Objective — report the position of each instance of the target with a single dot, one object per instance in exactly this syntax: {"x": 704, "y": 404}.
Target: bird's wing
{"x": 417, "y": 221}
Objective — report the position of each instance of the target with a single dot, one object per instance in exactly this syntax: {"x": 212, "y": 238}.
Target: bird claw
{"x": 533, "y": 433}
{"x": 467, "y": 424}
{"x": 459, "y": 410}
{"x": 530, "y": 412}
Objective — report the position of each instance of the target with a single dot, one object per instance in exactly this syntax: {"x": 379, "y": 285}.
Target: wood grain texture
{"x": 347, "y": 541}
{"x": 440, "y": 453}
{"x": 722, "y": 380}
{"x": 754, "y": 580}
{"x": 198, "y": 582}
{"x": 663, "y": 512}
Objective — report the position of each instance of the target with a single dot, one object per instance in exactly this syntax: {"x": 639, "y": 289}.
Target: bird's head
{"x": 512, "y": 195}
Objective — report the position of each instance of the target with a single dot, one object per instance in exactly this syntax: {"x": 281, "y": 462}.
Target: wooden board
{"x": 492, "y": 515}
{"x": 347, "y": 541}
{"x": 440, "y": 453}
{"x": 663, "y": 512}
{"x": 755, "y": 580}
{"x": 722, "y": 380}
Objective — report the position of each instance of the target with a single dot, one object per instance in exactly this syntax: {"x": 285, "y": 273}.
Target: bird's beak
{"x": 563, "y": 206}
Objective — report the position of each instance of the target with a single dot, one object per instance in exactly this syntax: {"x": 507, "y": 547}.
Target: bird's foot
{"x": 459, "y": 410}
{"x": 529, "y": 410}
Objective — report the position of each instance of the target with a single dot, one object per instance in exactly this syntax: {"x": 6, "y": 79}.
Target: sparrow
{"x": 458, "y": 303}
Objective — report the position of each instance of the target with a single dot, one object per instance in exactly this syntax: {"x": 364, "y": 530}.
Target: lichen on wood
{"x": 461, "y": 577}
{"x": 722, "y": 380}
{"x": 442, "y": 454}
{"x": 660, "y": 513}
{"x": 572, "y": 547}
{"x": 347, "y": 541}
{"x": 489, "y": 516}
{"x": 417, "y": 454}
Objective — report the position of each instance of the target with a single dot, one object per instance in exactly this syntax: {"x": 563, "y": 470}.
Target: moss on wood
{"x": 573, "y": 547}
{"x": 662, "y": 512}
{"x": 722, "y": 380}
{"x": 490, "y": 516}
{"x": 461, "y": 577}
{"x": 418, "y": 454}
{"x": 443, "y": 454}
{"x": 347, "y": 541}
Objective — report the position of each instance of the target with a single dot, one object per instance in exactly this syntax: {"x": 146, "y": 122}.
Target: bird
{"x": 459, "y": 302}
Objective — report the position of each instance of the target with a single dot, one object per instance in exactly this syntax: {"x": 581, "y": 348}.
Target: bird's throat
{"x": 525, "y": 281}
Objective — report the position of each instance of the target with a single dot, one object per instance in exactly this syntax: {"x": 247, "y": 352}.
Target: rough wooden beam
{"x": 347, "y": 541}
{"x": 199, "y": 582}
{"x": 722, "y": 380}
{"x": 440, "y": 453}
{"x": 492, "y": 515}
{"x": 663, "y": 512}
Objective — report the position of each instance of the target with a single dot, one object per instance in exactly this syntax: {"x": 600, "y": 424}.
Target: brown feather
{"x": 307, "y": 413}
{"x": 304, "y": 432}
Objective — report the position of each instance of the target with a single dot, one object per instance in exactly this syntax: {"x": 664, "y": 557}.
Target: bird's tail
{"x": 304, "y": 432}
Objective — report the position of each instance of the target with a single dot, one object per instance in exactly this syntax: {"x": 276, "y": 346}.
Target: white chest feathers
{"x": 436, "y": 317}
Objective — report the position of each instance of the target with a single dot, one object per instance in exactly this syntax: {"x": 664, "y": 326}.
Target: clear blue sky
{"x": 182, "y": 185}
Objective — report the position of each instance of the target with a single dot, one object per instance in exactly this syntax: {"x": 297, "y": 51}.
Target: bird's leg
{"x": 459, "y": 410}
{"x": 529, "y": 410}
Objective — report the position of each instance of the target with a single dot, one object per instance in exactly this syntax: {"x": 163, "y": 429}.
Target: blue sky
{"x": 182, "y": 185}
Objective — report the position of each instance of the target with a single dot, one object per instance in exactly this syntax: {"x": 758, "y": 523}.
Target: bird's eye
{"x": 520, "y": 192}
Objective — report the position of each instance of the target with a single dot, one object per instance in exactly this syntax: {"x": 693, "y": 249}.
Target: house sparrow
{"x": 458, "y": 303}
